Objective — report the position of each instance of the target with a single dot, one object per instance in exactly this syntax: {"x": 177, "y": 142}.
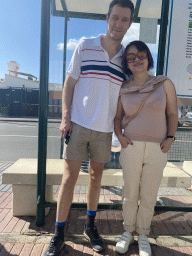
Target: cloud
{"x": 133, "y": 34}
{"x": 71, "y": 44}
{"x": 60, "y": 46}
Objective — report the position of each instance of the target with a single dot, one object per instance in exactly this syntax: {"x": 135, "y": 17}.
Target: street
{"x": 20, "y": 140}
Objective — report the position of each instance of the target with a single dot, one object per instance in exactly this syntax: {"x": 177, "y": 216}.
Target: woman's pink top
{"x": 150, "y": 124}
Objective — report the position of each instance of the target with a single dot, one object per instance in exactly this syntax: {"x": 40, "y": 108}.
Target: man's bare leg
{"x": 65, "y": 197}
{"x": 94, "y": 187}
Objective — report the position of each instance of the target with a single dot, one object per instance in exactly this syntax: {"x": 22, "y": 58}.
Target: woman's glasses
{"x": 131, "y": 57}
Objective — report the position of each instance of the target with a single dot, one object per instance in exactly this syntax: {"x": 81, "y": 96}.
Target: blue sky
{"x": 20, "y": 23}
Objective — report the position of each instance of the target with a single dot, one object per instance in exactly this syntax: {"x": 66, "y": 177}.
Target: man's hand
{"x": 65, "y": 126}
{"x": 124, "y": 141}
{"x": 166, "y": 144}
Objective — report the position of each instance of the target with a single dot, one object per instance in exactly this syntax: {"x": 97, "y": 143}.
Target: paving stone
{"x": 73, "y": 215}
{"x": 2, "y": 187}
{"x": 11, "y": 225}
{"x": 5, "y": 202}
{"x": 186, "y": 250}
{"x": 9, "y": 205}
{"x": 5, "y": 221}
{"x": 27, "y": 249}
{"x": 69, "y": 249}
{"x": 4, "y": 196}
{"x": 16, "y": 249}
{"x": 87, "y": 251}
{"x": 3, "y": 214}
{"x": 159, "y": 226}
{"x": 82, "y": 215}
{"x": 6, "y": 188}
{"x": 6, "y": 249}
{"x": 37, "y": 249}
{"x": 104, "y": 223}
{"x": 78, "y": 249}
{"x": 19, "y": 226}
{"x": 44, "y": 249}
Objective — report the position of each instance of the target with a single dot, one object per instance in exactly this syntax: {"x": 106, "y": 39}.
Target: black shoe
{"x": 54, "y": 247}
{"x": 93, "y": 237}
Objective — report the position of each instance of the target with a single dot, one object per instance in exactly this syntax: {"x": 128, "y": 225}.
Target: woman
{"x": 145, "y": 141}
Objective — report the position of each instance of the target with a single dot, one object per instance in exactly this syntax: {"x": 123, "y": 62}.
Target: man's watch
{"x": 170, "y": 136}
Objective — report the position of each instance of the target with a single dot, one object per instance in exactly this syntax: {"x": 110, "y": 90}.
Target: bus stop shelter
{"x": 84, "y": 9}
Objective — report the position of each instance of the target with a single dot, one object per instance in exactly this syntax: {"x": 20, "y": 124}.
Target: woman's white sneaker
{"x": 125, "y": 240}
{"x": 144, "y": 246}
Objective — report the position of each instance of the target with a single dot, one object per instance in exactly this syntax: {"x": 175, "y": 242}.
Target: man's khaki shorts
{"x": 85, "y": 143}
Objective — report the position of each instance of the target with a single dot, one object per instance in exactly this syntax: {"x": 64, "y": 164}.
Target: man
{"x": 89, "y": 102}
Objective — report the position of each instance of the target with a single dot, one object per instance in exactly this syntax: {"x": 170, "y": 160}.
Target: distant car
{"x": 180, "y": 115}
{"x": 189, "y": 117}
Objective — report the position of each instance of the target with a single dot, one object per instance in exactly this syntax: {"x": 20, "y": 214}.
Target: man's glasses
{"x": 131, "y": 57}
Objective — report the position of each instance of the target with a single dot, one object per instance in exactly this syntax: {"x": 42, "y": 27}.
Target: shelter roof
{"x": 97, "y": 9}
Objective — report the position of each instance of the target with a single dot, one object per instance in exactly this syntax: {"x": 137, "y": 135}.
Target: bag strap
{"x": 142, "y": 104}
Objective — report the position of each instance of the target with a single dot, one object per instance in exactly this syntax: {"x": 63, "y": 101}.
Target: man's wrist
{"x": 66, "y": 119}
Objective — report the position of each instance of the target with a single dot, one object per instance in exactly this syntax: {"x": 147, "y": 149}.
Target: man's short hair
{"x": 122, "y": 3}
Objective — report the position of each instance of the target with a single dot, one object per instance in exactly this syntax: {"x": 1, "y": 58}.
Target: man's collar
{"x": 97, "y": 41}
{"x": 120, "y": 53}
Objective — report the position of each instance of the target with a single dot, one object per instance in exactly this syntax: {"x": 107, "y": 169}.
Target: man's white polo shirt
{"x": 96, "y": 91}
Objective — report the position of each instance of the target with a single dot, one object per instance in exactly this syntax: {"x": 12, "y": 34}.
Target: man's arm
{"x": 67, "y": 97}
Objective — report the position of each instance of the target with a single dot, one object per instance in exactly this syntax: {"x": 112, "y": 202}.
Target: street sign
{"x": 179, "y": 48}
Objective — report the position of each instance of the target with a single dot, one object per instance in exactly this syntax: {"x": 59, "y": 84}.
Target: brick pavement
{"x": 171, "y": 232}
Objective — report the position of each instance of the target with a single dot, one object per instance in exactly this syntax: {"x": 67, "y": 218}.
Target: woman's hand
{"x": 166, "y": 144}
{"x": 124, "y": 141}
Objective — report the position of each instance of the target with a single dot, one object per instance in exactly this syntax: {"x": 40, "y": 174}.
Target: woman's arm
{"x": 171, "y": 114}
{"x": 118, "y": 128}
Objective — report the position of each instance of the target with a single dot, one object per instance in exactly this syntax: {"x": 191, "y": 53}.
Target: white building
{"x": 23, "y": 80}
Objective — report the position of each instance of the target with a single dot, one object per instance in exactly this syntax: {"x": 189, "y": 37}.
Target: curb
{"x": 27, "y": 120}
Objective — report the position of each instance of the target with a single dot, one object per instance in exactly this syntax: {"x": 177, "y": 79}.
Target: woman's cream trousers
{"x": 143, "y": 164}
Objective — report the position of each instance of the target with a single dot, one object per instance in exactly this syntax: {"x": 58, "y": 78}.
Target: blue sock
{"x": 92, "y": 213}
{"x": 60, "y": 224}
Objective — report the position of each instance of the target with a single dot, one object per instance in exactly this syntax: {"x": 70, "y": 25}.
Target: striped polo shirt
{"x": 99, "y": 80}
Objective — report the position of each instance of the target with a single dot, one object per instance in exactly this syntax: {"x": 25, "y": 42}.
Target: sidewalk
{"x": 171, "y": 232}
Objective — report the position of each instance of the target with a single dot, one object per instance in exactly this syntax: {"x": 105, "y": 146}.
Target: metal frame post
{"x": 43, "y": 109}
{"x": 64, "y": 68}
{"x": 163, "y": 36}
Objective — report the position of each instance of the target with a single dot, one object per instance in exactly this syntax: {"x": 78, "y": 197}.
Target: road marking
{"x": 28, "y": 136}
{"x": 183, "y": 141}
